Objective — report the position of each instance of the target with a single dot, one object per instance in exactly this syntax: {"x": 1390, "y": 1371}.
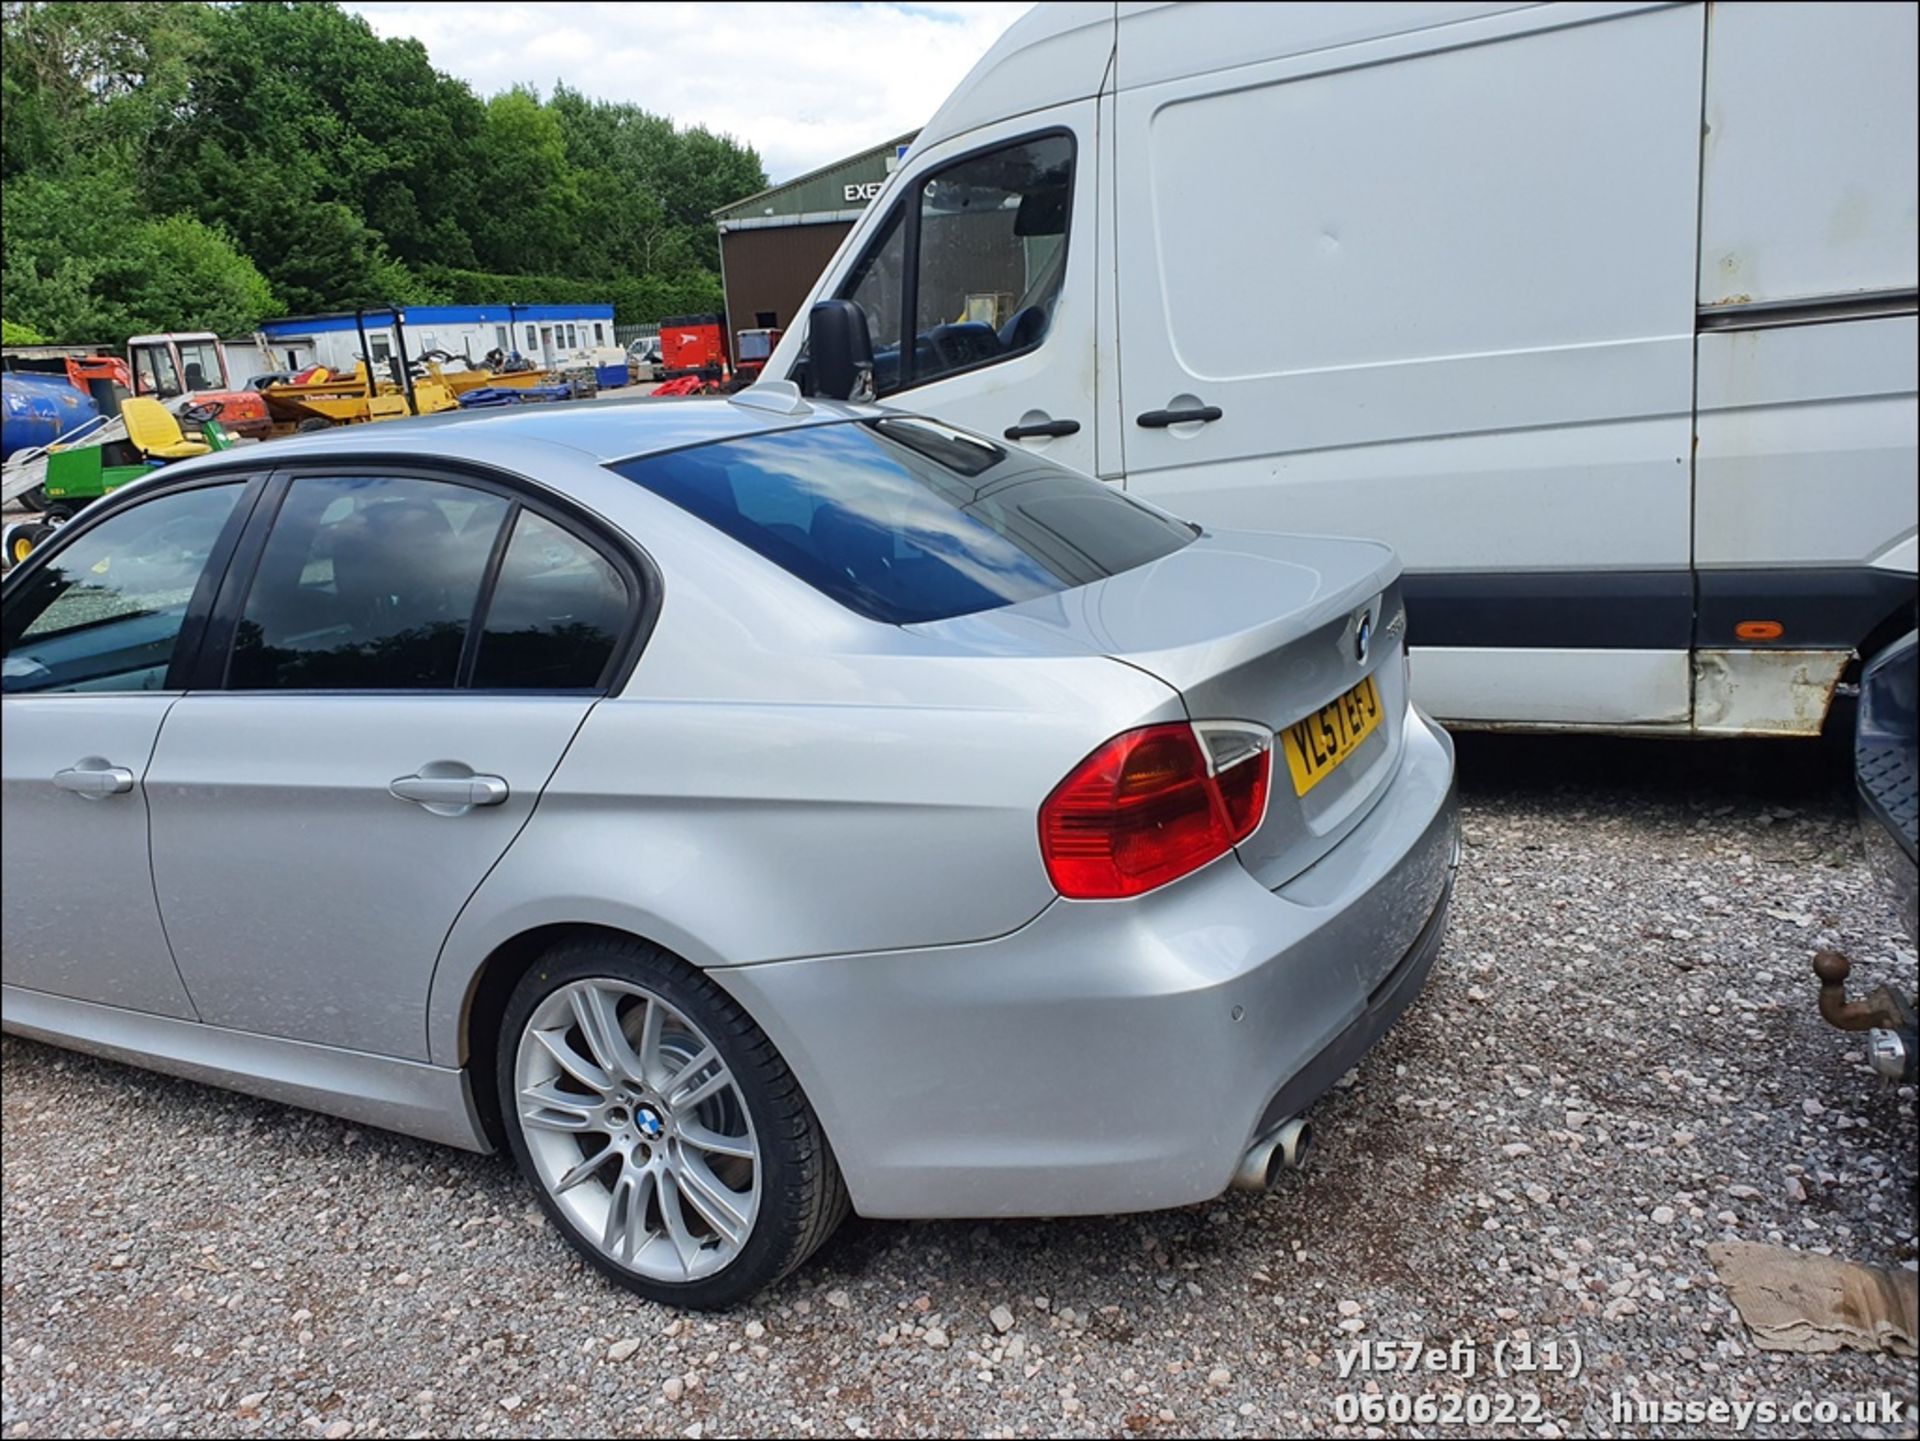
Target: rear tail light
{"x": 1154, "y": 804}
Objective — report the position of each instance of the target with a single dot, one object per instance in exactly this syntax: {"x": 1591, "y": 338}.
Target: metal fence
{"x": 625, "y": 335}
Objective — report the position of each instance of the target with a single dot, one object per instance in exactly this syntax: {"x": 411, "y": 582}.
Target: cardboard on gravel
{"x": 1799, "y": 1301}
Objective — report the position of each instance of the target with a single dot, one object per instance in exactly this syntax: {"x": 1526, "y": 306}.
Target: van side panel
{"x": 1810, "y": 152}
{"x": 1181, "y": 41}
{"x": 1441, "y": 286}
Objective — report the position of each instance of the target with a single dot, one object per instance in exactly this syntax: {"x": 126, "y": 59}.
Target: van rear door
{"x": 1425, "y": 275}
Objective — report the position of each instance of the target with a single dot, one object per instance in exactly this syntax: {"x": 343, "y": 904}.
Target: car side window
{"x": 556, "y": 615}
{"x": 366, "y": 583}
{"x": 105, "y": 612}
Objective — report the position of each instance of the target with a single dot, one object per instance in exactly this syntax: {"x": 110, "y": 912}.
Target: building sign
{"x": 860, "y": 194}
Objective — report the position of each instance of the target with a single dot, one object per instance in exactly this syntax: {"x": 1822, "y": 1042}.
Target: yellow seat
{"x": 154, "y": 431}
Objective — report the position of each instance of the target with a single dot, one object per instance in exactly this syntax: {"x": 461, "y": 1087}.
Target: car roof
{"x": 601, "y": 430}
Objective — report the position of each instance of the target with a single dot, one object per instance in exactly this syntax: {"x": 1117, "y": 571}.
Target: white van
{"x": 1602, "y": 314}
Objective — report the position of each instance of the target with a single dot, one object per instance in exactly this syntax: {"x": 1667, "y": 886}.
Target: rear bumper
{"x": 1118, "y": 1056}
{"x": 1388, "y": 999}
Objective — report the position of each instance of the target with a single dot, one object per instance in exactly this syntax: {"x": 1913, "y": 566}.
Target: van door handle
{"x": 1046, "y": 427}
{"x": 95, "y": 782}
{"x": 1161, "y": 419}
{"x": 461, "y": 791}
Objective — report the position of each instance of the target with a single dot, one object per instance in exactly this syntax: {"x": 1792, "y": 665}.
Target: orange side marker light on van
{"x": 1759, "y": 630}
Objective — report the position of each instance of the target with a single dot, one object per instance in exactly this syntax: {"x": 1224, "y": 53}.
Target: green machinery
{"x": 95, "y": 465}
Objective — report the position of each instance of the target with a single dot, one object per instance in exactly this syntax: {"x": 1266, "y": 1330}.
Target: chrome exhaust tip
{"x": 1284, "y": 1148}
{"x": 1296, "y": 1140}
{"x": 1257, "y": 1166}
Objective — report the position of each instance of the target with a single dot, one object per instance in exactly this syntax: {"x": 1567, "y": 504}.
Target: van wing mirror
{"x": 839, "y": 351}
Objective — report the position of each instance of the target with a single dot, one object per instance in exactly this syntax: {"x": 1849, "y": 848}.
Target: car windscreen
{"x": 903, "y": 520}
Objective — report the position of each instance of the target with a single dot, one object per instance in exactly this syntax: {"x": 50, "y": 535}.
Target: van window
{"x": 903, "y": 520}
{"x": 875, "y": 287}
{"x": 988, "y": 262}
{"x": 993, "y": 246}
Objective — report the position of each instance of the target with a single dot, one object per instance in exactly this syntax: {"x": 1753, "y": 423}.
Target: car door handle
{"x": 1161, "y": 419}
{"x": 1045, "y": 427}
{"x": 95, "y": 783}
{"x": 450, "y": 790}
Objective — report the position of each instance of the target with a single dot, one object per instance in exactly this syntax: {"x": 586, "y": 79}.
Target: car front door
{"x": 394, "y": 669}
{"x": 98, "y": 630}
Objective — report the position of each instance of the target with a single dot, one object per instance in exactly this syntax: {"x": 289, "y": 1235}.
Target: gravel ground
{"x": 1617, "y": 1062}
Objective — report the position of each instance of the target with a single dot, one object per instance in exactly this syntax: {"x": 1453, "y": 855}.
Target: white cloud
{"x": 805, "y": 84}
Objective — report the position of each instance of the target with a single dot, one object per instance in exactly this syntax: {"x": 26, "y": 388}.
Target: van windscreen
{"x": 903, "y": 520}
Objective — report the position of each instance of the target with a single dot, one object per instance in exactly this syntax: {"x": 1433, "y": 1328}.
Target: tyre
{"x": 313, "y": 423}
{"x": 659, "y": 1127}
{"x": 36, "y": 498}
{"x": 21, "y": 538}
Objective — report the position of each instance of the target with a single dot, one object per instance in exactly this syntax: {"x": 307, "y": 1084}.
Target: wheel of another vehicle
{"x": 60, "y": 512}
{"x": 660, "y": 1128}
{"x": 36, "y": 498}
{"x": 21, "y": 539}
{"x": 313, "y": 422}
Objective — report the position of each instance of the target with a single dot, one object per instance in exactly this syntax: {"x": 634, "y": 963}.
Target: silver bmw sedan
{"x": 741, "y": 812}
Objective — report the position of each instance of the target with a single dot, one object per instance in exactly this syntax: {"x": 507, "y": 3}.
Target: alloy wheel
{"x": 638, "y": 1129}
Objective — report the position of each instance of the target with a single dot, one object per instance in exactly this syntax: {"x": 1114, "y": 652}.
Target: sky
{"x": 805, "y": 84}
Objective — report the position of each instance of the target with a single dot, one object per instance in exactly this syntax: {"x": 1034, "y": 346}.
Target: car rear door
{"x": 397, "y": 663}
{"x": 98, "y": 631}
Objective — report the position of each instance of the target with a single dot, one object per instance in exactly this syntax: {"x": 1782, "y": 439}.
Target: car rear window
{"x": 903, "y": 520}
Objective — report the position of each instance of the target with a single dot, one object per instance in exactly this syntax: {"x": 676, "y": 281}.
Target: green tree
{"x": 84, "y": 264}
{"x": 651, "y": 189}
{"x": 532, "y": 200}
{"x": 81, "y": 80}
{"x": 343, "y": 115}
{"x": 161, "y": 158}
{"x": 185, "y": 275}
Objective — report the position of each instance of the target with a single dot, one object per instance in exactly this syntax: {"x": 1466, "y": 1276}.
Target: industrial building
{"x": 774, "y": 245}
{"x": 548, "y": 335}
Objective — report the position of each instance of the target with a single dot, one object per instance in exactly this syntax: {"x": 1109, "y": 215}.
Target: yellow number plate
{"x": 1316, "y": 744}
